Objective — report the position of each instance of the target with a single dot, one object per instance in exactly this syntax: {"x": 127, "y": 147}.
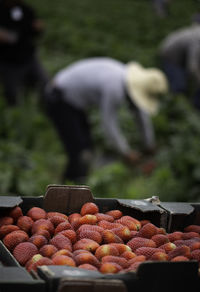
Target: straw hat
{"x": 144, "y": 86}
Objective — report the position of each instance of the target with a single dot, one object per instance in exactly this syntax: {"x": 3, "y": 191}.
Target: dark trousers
{"x": 74, "y": 131}
{"x": 176, "y": 75}
{"x": 14, "y": 77}
{"x": 179, "y": 82}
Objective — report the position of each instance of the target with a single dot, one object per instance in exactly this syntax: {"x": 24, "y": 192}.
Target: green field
{"x": 31, "y": 154}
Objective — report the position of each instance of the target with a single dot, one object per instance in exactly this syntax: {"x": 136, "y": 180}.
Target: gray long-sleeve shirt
{"x": 182, "y": 47}
{"x": 100, "y": 82}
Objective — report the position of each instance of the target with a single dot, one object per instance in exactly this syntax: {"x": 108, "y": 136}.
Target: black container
{"x": 150, "y": 276}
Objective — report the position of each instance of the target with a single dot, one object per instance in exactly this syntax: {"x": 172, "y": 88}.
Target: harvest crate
{"x": 154, "y": 276}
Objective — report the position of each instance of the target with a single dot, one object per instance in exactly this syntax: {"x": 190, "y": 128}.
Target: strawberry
{"x": 87, "y": 244}
{"x": 116, "y": 214}
{"x": 24, "y": 251}
{"x": 109, "y": 236}
{"x": 147, "y": 231}
{"x": 89, "y": 208}
{"x": 130, "y": 222}
{"x": 160, "y": 239}
{"x": 180, "y": 251}
{"x": 94, "y": 235}
{"x": 192, "y": 228}
{"x": 140, "y": 242}
{"x": 110, "y": 268}
{"x": 148, "y": 251}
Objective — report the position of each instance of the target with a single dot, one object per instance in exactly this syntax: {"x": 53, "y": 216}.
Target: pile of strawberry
{"x": 108, "y": 242}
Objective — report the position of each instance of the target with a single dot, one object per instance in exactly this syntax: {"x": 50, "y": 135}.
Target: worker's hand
{"x": 7, "y": 36}
{"x": 38, "y": 25}
{"x": 132, "y": 157}
{"x": 148, "y": 167}
{"x": 150, "y": 151}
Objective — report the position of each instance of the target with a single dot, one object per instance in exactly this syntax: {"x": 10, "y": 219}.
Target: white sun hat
{"x": 144, "y": 86}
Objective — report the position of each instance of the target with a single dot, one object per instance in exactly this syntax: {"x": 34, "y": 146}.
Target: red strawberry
{"x": 5, "y": 229}
{"x": 195, "y": 255}
{"x": 159, "y": 256}
{"x": 15, "y": 213}
{"x": 94, "y": 235}
{"x": 63, "y": 260}
{"x": 110, "y": 268}
{"x": 143, "y": 222}
{"x": 52, "y": 214}
{"x": 102, "y": 216}
{"x": 88, "y": 267}
{"x": 69, "y": 233}
{"x": 63, "y": 251}
{"x": 192, "y": 228}
{"x": 44, "y": 232}
{"x": 14, "y": 238}
{"x": 180, "y": 250}
{"x": 110, "y": 237}
{"x": 89, "y": 208}
{"x": 130, "y": 222}
{"x": 116, "y": 214}
{"x": 79, "y": 251}
{"x": 6, "y": 220}
{"x": 139, "y": 258}
{"x": 24, "y": 251}
{"x": 195, "y": 245}
{"x": 74, "y": 217}
{"x": 123, "y": 232}
{"x": 169, "y": 246}
{"x": 140, "y": 242}
{"x": 179, "y": 259}
{"x": 87, "y": 244}
{"x": 38, "y": 240}
{"x": 161, "y": 230}
{"x": 121, "y": 247}
{"x": 147, "y": 251}
{"x": 160, "y": 239}
{"x": 43, "y": 224}
{"x": 61, "y": 242}
{"x": 187, "y": 242}
{"x": 25, "y": 223}
{"x": 40, "y": 262}
{"x": 128, "y": 255}
{"x": 86, "y": 258}
{"x": 134, "y": 266}
{"x": 87, "y": 219}
{"x": 37, "y": 213}
{"x": 115, "y": 259}
{"x": 55, "y": 220}
{"x": 106, "y": 249}
{"x": 48, "y": 250}
{"x": 85, "y": 227}
{"x": 108, "y": 225}
{"x": 32, "y": 261}
{"x": 176, "y": 235}
{"x": 189, "y": 235}
{"x": 62, "y": 226}
{"x": 148, "y": 230}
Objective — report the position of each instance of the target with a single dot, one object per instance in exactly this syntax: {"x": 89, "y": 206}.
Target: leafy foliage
{"x": 31, "y": 155}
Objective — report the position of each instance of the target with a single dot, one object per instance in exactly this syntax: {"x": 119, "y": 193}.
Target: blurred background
{"x": 31, "y": 155}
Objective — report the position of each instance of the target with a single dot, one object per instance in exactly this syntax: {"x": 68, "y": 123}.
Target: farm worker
{"x": 19, "y": 63}
{"x": 179, "y": 55}
{"x": 106, "y": 84}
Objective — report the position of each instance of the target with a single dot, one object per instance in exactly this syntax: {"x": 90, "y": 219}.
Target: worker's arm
{"x": 147, "y": 131}
{"x": 112, "y": 130}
